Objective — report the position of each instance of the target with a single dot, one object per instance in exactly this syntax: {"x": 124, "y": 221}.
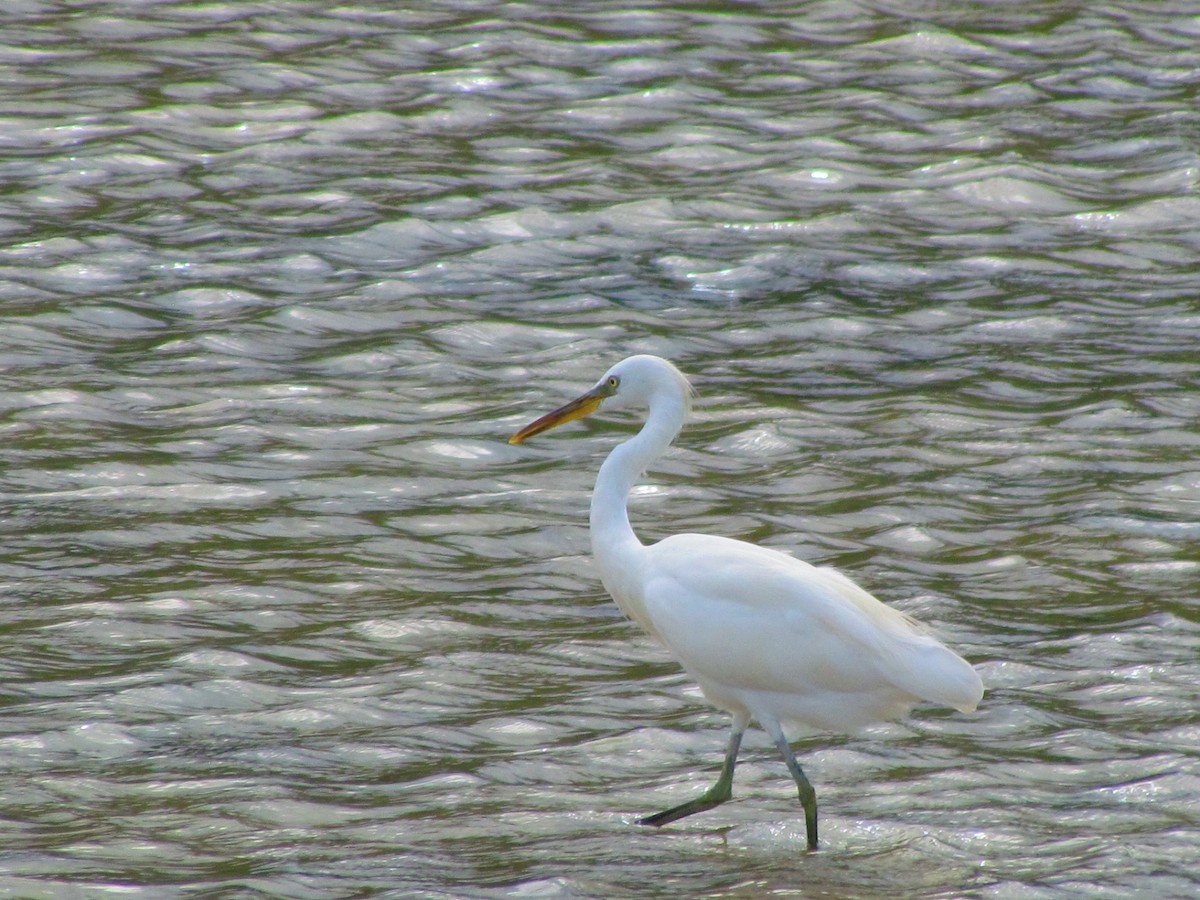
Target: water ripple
{"x": 286, "y": 615}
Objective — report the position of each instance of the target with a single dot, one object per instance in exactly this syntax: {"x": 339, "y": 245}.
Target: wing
{"x": 754, "y": 619}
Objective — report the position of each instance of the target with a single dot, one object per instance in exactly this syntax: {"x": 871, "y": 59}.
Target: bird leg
{"x": 808, "y": 796}
{"x": 715, "y": 795}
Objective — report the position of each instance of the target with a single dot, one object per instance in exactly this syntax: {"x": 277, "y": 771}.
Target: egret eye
{"x": 613, "y": 381}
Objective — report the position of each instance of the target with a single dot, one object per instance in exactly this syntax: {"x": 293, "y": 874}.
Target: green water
{"x": 284, "y": 614}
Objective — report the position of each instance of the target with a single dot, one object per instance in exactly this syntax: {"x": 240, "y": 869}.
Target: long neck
{"x": 616, "y": 548}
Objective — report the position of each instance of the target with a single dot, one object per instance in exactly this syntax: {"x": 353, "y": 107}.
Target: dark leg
{"x": 808, "y": 796}
{"x": 715, "y": 795}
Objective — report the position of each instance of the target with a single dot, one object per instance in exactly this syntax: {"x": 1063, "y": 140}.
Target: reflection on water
{"x": 285, "y": 615}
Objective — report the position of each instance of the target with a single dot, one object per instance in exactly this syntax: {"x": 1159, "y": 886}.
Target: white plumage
{"x": 766, "y": 636}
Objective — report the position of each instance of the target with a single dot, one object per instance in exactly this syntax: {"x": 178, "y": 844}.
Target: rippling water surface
{"x": 283, "y": 613}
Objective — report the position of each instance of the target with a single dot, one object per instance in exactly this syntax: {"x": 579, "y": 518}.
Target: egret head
{"x": 635, "y": 381}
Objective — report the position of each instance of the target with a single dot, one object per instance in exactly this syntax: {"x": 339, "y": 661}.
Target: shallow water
{"x": 285, "y": 615}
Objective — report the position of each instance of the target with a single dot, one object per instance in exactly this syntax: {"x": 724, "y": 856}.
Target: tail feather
{"x": 937, "y": 674}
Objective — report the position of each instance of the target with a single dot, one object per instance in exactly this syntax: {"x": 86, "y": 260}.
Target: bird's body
{"x": 766, "y": 636}
{"x": 827, "y": 655}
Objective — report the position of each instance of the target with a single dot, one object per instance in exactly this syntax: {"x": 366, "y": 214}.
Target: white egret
{"x": 765, "y": 636}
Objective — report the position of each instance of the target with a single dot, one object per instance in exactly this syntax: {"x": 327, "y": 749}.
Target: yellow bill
{"x": 581, "y": 406}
